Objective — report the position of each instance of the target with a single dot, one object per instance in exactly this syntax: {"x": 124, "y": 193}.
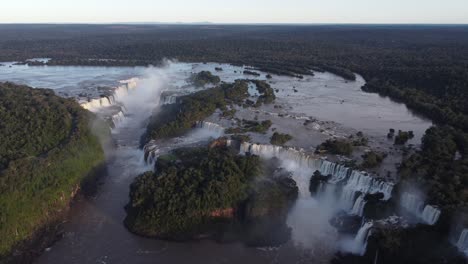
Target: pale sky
{"x": 236, "y": 11}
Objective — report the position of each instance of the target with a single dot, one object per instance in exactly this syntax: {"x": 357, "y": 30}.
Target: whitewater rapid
{"x": 96, "y": 234}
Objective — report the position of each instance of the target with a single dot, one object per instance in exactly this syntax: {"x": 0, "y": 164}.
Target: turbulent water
{"x": 95, "y": 233}
{"x": 303, "y": 165}
{"x": 345, "y": 190}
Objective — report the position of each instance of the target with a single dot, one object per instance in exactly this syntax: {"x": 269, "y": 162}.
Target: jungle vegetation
{"x": 336, "y": 146}
{"x": 280, "y": 139}
{"x": 212, "y": 190}
{"x": 178, "y": 118}
{"x": 47, "y": 149}
{"x": 203, "y": 78}
{"x": 420, "y": 65}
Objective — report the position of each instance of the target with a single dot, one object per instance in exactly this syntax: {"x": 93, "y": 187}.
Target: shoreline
{"x": 49, "y": 233}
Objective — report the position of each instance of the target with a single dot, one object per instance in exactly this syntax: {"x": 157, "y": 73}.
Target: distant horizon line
{"x": 229, "y": 23}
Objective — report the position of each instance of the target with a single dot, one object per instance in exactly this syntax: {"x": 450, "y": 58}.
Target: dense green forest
{"x": 46, "y": 150}
{"x": 212, "y": 191}
{"x": 179, "y": 118}
{"x": 440, "y": 167}
{"x": 280, "y": 139}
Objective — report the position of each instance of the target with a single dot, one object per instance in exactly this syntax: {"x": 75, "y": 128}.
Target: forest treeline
{"x": 212, "y": 192}
{"x": 46, "y": 151}
{"x": 423, "y": 66}
{"x": 428, "y": 59}
{"x": 177, "y": 119}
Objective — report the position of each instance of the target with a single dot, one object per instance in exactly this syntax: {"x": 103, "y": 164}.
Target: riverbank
{"x": 47, "y": 235}
{"x": 48, "y": 149}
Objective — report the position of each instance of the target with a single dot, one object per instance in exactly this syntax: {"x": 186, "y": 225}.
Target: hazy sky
{"x": 235, "y": 11}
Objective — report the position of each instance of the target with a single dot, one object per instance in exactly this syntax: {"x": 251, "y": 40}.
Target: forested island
{"x": 47, "y": 151}
{"x": 211, "y": 192}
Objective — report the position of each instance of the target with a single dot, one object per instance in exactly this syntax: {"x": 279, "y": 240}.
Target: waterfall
{"x": 214, "y": 129}
{"x": 355, "y": 184}
{"x": 94, "y": 104}
{"x": 358, "y": 244}
{"x": 358, "y": 208}
{"x": 119, "y": 93}
{"x": 300, "y": 163}
{"x": 360, "y": 241}
{"x": 337, "y": 171}
{"x": 203, "y": 131}
{"x": 299, "y": 158}
{"x": 413, "y": 204}
{"x": 360, "y": 184}
{"x": 122, "y": 90}
{"x": 168, "y": 99}
{"x": 462, "y": 243}
{"x": 430, "y": 214}
{"x": 118, "y": 118}
{"x": 151, "y": 151}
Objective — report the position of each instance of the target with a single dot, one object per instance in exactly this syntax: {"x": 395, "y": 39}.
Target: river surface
{"x": 95, "y": 232}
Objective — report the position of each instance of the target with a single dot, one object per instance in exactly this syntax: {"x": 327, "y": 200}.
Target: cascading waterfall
{"x": 355, "y": 184}
{"x": 97, "y": 103}
{"x": 298, "y": 157}
{"x": 293, "y": 160}
{"x": 151, "y": 151}
{"x": 429, "y": 214}
{"x": 118, "y": 118}
{"x": 122, "y": 91}
{"x": 203, "y": 130}
{"x": 168, "y": 99}
{"x": 358, "y": 208}
{"x": 359, "y": 183}
{"x": 119, "y": 93}
{"x": 338, "y": 172}
{"x": 462, "y": 243}
{"x": 358, "y": 244}
{"x": 215, "y": 129}
{"x": 360, "y": 240}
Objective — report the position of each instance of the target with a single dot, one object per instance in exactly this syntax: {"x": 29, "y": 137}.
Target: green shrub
{"x": 203, "y": 78}
{"x": 372, "y": 159}
{"x": 403, "y": 136}
{"x": 37, "y": 182}
{"x": 280, "y": 139}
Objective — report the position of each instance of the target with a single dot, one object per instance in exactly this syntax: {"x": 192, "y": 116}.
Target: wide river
{"x": 95, "y": 232}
